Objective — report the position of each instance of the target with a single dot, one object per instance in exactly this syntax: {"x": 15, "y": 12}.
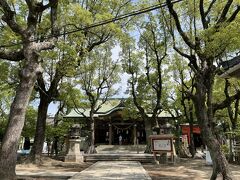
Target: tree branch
{"x": 225, "y": 11}
{"x": 12, "y": 55}
{"x": 50, "y": 4}
{"x": 41, "y": 84}
{"x": 178, "y": 25}
{"x": 209, "y": 7}
{"x": 133, "y": 89}
{"x": 45, "y": 45}
{"x": 53, "y": 89}
{"x": 226, "y": 102}
{"x": 9, "y": 18}
{"x": 191, "y": 58}
{"x": 54, "y": 6}
{"x": 104, "y": 38}
{"x": 202, "y": 13}
{"x": 234, "y": 14}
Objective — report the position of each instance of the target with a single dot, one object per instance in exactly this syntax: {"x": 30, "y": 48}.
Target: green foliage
{"x": 7, "y": 36}
{"x": 71, "y": 96}
{"x": 225, "y": 149}
{"x": 61, "y": 130}
{"x": 73, "y": 53}
{"x": 4, "y": 66}
{"x": 6, "y": 95}
{"x": 30, "y": 122}
{"x": 216, "y": 41}
{"x": 98, "y": 73}
{"x": 3, "y": 124}
{"x": 130, "y": 112}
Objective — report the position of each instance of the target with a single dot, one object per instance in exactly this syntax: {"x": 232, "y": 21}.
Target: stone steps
{"x": 120, "y": 149}
{"x": 144, "y": 158}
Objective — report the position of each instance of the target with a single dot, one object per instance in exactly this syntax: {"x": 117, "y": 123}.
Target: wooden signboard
{"x": 162, "y": 144}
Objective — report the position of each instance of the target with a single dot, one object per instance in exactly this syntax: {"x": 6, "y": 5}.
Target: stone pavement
{"x": 43, "y": 174}
{"x": 106, "y": 170}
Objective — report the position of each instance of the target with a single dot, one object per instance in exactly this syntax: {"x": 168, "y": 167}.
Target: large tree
{"x": 211, "y": 21}
{"x": 24, "y": 31}
{"x": 97, "y": 76}
{"x": 70, "y": 50}
{"x": 180, "y": 100}
{"x": 144, "y": 65}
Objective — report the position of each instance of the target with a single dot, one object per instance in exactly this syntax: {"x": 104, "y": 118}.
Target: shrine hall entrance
{"x": 123, "y": 133}
{"x": 109, "y": 133}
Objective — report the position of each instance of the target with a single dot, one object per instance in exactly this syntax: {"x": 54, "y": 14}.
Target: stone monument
{"x": 74, "y": 154}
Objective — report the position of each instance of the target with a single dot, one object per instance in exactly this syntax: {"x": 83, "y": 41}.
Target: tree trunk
{"x": 178, "y": 144}
{"x": 192, "y": 145}
{"x": 91, "y": 149}
{"x": 220, "y": 164}
{"x": 205, "y": 119}
{"x": 39, "y": 138}
{"x": 55, "y": 145}
{"x": 8, "y": 153}
{"x": 230, "y": 158}
{"x": 148, "y": 130}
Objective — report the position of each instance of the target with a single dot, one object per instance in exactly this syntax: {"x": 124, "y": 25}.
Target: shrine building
{"x": 111, "y": 123}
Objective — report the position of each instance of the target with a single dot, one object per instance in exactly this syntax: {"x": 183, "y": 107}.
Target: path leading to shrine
{"x": 184, "y": 169}
{"x": 131, "y": 170}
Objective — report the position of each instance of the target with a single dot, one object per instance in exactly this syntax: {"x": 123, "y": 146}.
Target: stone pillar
{"x": 135, "y": 134}
{"x": 110, "y": 134}
{"x": 74, "y": 154}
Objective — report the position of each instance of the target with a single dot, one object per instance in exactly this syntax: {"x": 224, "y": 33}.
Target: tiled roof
{"x": 231, "y": 68}
{"x": 106, "y": 109}
{"x": 230, "y": 63}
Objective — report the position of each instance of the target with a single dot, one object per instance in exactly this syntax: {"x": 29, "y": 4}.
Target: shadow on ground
{"x": 187, "y": 169}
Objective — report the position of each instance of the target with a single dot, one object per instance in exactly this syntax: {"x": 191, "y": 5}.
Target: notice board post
{"x": 162, "y": 144}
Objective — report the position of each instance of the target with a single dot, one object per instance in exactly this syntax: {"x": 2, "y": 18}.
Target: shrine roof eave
{"x": 75, "y": 113}
{"x": 232, "y": 72}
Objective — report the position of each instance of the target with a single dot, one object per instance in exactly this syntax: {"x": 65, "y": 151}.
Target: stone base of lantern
{"x": 74, "y": 154}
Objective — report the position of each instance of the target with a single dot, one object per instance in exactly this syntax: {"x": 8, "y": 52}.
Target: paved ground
{"x": 185, "y": 169}
{"x": 114, "y": 170}
{"x": 44, "y": 175}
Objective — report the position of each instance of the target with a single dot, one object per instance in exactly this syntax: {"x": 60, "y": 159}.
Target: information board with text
{"x": 162, "y": 145}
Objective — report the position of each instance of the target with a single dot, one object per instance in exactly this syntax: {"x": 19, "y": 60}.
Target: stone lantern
{"x": 74, "y": 132}
{"x": 166, "y": 128}
{"x": 74, "y": 154}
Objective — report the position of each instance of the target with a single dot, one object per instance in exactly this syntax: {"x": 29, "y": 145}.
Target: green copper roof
{"x": 107, "y": 108}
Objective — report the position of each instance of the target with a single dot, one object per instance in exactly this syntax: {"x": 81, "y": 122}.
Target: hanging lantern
{"x": 127, "y": 132}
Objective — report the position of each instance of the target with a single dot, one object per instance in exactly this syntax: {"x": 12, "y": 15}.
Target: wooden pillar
{"x": 110, "y": 134}
{"x": 135, "y": 134}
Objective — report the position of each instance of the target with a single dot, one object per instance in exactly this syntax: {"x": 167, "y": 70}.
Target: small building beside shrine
{"x": 111, "y": 123}
{"x": 185, "y": 128}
